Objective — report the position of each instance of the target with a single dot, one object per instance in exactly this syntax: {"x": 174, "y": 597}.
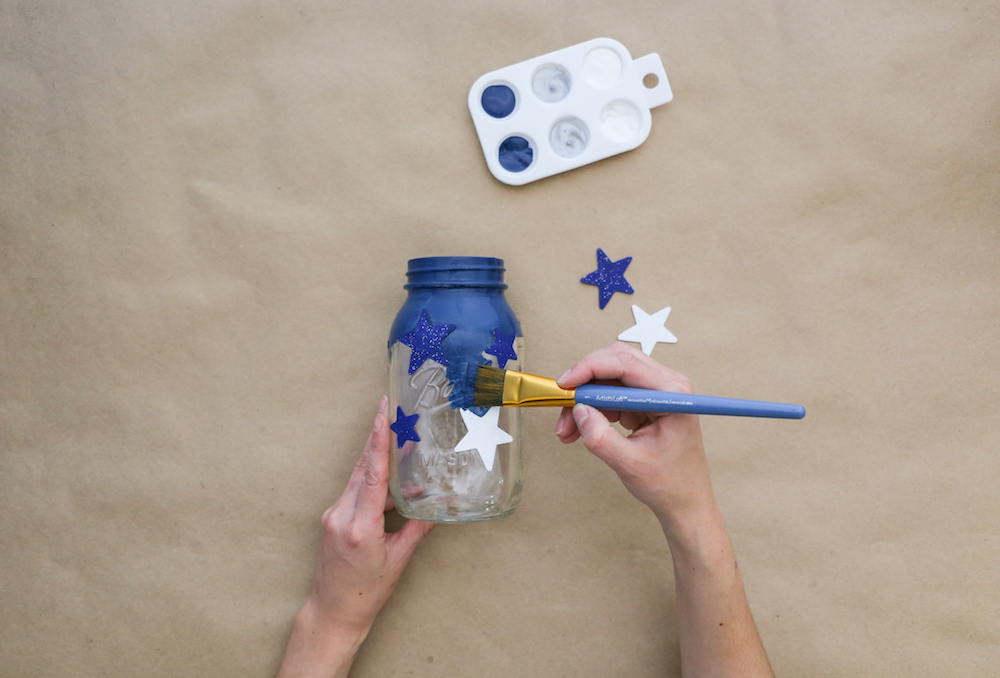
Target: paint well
{"x": 569, "y": 138}
{"x": 516, "y": 154}
{"x": 620, "y": 121}
{"x": 498, "y": 101}
{"x": 602, "y": 67}
{"x": 551, "y": 83}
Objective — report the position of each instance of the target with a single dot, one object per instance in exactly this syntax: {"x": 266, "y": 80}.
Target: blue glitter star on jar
{"x": 425, "y": 342}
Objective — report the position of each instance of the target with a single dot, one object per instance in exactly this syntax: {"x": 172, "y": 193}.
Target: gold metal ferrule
{"x": 527, "y": 390}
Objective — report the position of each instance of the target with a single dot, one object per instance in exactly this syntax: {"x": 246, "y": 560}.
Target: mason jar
{"x": 452, "y": 465}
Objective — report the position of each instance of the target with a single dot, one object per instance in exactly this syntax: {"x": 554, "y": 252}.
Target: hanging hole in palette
{"x": 551, "y": 83}
{"x": 498, "y": 101}
{"x": 569, "y": 137}
{"x": 620, "y": 121}
{"x": 516, "y": 153}
{"x": 650, "y": 81}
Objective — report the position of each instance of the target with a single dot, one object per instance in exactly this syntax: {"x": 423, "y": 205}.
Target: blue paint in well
{"x": 466, "y": 292}
{"x": 516, "y": 154}
{"x": 498, "y": 101}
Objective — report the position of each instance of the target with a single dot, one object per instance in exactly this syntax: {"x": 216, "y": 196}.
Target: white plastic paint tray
{"x": 566, "y": 109}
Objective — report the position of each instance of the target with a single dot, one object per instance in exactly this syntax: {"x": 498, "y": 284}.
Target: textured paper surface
{"x": 206, "y": 211}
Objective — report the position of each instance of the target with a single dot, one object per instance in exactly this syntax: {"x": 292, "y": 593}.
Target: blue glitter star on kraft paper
{"x": 425, "y": 341}
{"x": 405, "y": 427}
{"x": 609, "y": 277}
{"x": 502, "y": 348}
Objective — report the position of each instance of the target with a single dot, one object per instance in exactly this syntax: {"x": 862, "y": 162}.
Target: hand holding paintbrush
{"x": 486, "y": 386}
{"x": 663, "y": 464}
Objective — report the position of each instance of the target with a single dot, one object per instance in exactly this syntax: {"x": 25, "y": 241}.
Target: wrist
{"x": 696, "y": 534}
{"x": 338, "y": 611}
{"x": 320, "y": 646}
{"x": 331, "y": 629}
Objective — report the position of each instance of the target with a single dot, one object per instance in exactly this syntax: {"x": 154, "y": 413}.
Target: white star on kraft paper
{"x": 484, "y": 435}
{"x": 648, "y": 329}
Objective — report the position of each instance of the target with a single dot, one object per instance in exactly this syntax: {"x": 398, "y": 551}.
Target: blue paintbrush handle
{"x": 642, "y": 400}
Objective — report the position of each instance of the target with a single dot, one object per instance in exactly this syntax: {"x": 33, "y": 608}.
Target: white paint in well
{"x": 602, "y": 67}
{"x": 620, "y": 121}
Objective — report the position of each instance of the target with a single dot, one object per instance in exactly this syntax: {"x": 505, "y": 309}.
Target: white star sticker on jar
{"x": 648, "y": 329}
{"x": 484, "y": 434}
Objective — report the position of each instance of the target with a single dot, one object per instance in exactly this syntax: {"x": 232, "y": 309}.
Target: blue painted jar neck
{"x": 455, "y": 272}
{"x": 467, "y": 292}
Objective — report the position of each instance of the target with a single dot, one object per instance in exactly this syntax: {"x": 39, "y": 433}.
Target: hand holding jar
{"x": 358, "y": 566}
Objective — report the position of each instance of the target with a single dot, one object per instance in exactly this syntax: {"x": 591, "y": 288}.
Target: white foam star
{"x": 484, "y": 435}
{"x": 648, "y": 329}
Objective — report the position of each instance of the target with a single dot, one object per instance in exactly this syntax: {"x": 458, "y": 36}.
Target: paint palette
{"x": 566, "y": 109}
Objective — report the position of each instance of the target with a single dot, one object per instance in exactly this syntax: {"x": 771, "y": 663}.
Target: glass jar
{"x": 452, "y": 465}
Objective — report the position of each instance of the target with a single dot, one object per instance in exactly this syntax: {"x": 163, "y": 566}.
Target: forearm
{"x": 319, "y": 648}
{"x": 716, "y": 628}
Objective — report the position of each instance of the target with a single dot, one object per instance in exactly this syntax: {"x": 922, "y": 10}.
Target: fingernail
{"x": 559, "y": 426}
{"x": 580, "y": 413}
{"x": 564, "y": 375}
{"x": 378, "y": 422}
{"x": 383, "y": 404}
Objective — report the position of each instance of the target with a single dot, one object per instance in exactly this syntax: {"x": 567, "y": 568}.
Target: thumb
{"x": 405, "y": 541}
{"x": 599, "y": 436}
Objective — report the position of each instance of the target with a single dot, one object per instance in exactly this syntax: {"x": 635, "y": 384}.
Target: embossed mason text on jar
{"x": 452, "y": 465}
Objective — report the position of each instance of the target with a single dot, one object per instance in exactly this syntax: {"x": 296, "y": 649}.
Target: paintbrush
{"x": 487, "y": 386}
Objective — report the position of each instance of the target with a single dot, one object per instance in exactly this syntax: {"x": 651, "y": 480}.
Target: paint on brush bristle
{"x": 463, "y": 385}
{"x": 475, "y": 386}
{"x": 489, "y": 386}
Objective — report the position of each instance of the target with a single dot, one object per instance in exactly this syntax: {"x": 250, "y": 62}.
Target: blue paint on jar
{"x": 466, "y": 292}
{"x": 516, "y": 154}
{"x": 498, "y": 101}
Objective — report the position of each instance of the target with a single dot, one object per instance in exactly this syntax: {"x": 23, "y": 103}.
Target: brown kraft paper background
{"x": 206, "y": 210}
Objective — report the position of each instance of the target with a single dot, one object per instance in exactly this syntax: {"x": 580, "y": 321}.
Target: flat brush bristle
{"x": 489, "y": 386}
{"x": 475, "y": 385}
{"x": 463, "y": 385}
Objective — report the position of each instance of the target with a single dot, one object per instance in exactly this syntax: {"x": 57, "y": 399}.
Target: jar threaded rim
{"x": 455, "y": 272}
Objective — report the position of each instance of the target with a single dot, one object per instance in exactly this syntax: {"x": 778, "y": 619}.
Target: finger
{"x": 374, "y": 484}
{"x": 571, "y": 437}
{"x": 350, "y": 494}
{"x": 622, "y": 363}
{"x": 565, "y": 423}
{"x": 599, "y": 436}
{"x": 390, "y": 503}
{"x": 404, "y": 541}
{"x": 634, "y": 420}
{"x": 628, "y": 365}
{"x": 566, "y": 426}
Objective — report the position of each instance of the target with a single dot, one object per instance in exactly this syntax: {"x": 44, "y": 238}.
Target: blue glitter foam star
{"x": 425, "y": 340}
{"x": 609, "y": 277}
{"x": 405, "y": 427}
{"x": 503, "y": 347}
